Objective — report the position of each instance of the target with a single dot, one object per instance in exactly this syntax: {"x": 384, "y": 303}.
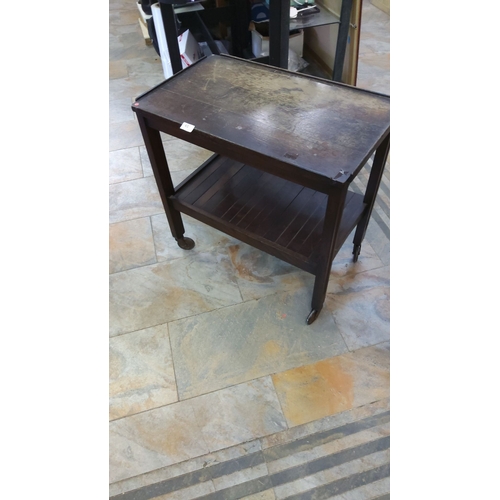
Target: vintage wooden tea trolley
{"x": 287, "y": 146}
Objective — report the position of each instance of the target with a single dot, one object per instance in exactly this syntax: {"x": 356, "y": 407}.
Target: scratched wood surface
{"x": 317, "y": 126}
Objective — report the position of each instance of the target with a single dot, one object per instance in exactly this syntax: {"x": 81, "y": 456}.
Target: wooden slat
{"x": 298, "y": 204}
{"x": 224, "y": 199}
{"x": 208, "y": 182}
{"x": 309, "y": 234}
{"x": 271, "y": 212}
{"x": 300, "y": 220}
{"x": 211, "y": 166}
{"x": 220, "y": 185}
{"x": 246, "y": 205}
{"x": 285, "y": 215}
{"x": 269, "y": 187}
{"x": 242, "y": 195}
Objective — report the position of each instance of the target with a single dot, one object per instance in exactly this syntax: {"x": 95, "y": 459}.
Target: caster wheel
{"x": 185, "y": 243}
{"x": 312, "y": 316}
{"x": 356, "y": 252}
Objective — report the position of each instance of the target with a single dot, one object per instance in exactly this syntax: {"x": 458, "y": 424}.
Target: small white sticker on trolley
{"x": 187, "y": 127}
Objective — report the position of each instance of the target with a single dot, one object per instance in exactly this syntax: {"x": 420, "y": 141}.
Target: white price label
{"x": 187, "y": 127}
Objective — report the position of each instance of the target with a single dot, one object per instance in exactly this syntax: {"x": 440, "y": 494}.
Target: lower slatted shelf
{"x": 271, "y": 213}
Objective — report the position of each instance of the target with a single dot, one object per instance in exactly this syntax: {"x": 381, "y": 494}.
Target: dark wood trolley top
{"x": 288, "y": 146}
{"x": 311, "y": 127}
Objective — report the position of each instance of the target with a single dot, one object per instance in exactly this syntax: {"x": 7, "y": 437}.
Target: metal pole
{"x": 279, "y": 32}
{"x": 170, "y": 27}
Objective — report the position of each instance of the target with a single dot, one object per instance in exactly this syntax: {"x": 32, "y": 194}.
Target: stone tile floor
{"x": 218, "y": 389}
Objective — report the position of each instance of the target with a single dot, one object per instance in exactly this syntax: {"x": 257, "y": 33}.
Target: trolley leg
{"x": 333, "y": 216}
{"x": 356, "y": 251}
{"x": 371, "y": 193}
{"x": 154, "y": 147}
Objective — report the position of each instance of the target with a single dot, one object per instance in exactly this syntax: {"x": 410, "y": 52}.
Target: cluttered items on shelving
{"x": 298, "y": 9}
{"x": 303, "y": 8}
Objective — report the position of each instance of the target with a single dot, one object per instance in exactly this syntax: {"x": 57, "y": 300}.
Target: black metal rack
{"x": 280, "y": 25}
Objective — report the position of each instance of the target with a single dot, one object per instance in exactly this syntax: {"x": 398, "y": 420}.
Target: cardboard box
{"x": 189, "y": 49}
{"x": 260, "y": 43}
{"x": 188, "y": 46}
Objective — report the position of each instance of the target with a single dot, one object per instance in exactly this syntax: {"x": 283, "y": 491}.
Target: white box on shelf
{"x": 188, "y": 46}
{"x": 260, "y": 44}
{"x": 189, "y": 49}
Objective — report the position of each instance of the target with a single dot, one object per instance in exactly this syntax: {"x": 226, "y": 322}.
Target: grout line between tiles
{"x": 184, "y": 317}
{"x": 135, "y": 218}
{"x": 197, "y": 396}
{"x": 279, "y": 402}
{"x": 246, "y": 382}
{"x": 140, "y": 267}
{"x": 132, "y": 180}
{"x": 153, "y": 237}
{"x": 340, "y": 330}
{"x": 173, "y": 363}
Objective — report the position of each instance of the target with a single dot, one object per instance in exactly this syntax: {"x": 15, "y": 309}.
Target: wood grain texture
{"x": 247, "y": 201}
{"x": 280, "y": 121}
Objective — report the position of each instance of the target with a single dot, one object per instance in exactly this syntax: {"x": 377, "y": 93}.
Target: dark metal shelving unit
{"x": 280, "y": 26}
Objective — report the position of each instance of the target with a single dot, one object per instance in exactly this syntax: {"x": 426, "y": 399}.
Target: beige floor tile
{"x": 379, "y": 242}
{"x": 177, "y": 432}
{"x": 122, "y": 5}
{"x": 131, "y": 245}
{"x": 126, "y": 29}
{"x": 120, "y": 110}
{"x": 146, "y": 72}
{"x": 120, "y": 88}
{"x": 204, "y": 236}
{"x": 260, "y": 274}
{"x": 180, "y": 156}
{"x": 126, "y": 43}
{"x": 124, "y": 165}
{"x": 141, "y": 372}
{"x": 156, "y": 294}
{"x": 334, "y": 385}
{"x": 375, "y": 47}
{"x": 343, "y": 265}
{"x": 360, "y": 305}
{"x": 373, "y": 75}
{"x": 326, "y": 423}
{"x": 154, "y": 439}
{"x": 123, "y": 16}
{"x": 238, "y": 414}
{"x": 160, "y": 475}
{"x": 134, "y": 199}
{"x": 374, "y": 50}
{"x": 181, "y": 468}
{"x": 117, "y": 69}
{"x": 124, "y": 135}
{"x": 249, "y": 340}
